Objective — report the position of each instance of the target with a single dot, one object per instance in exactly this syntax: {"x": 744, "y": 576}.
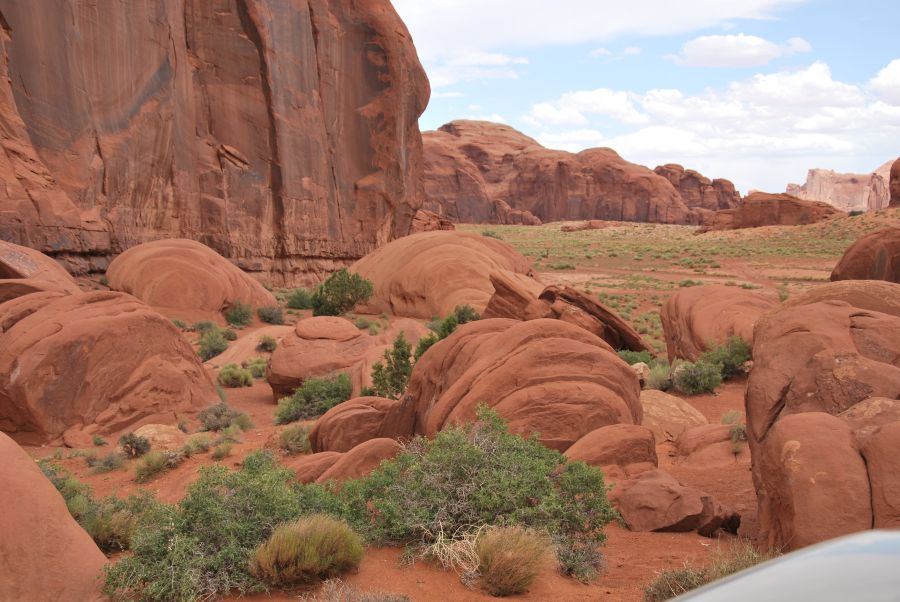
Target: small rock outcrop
{"x": 668, "y": 416}
{"x": 356, "y": 462}
{"x": 762, "y": 209}
{"x": 894, "y": 184}
{"x": 698, "y": 191}
{"x": 875, "y": 256}
{"x": 356, "y": 421}
{"x": 621, "y": 450}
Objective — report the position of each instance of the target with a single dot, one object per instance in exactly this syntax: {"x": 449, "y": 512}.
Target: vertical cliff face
{"x": 282, "y": 133}
{"x": 699, "y": 192}
{"x": 846, "y": 191}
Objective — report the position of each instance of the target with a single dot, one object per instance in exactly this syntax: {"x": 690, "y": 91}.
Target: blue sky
{"x": 757, "y": 91}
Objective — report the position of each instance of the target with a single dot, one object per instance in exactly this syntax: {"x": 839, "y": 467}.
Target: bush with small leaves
{"x": 696, "y": 378}
{"x": 108, "y": 463}
{"x": 220, "y": 417}
{"x": 635, "y": 357}
{"x": 314, "y": 547}
{"x": 198, "y": 444}
{"x": 511, "y": 558}
{"x": 731, "y": 356}
{"x": 239, "y": 314}
{"x": 340, "y": 293}
{"x": 294, "y": 440}
{"x": 390, "y": 377}
{"x": 134, "y": 446}
{"x": 442, "y": 329}
{"x": 229, "y": 335}
{"x": 180, "y": 324}
{"x": 155, "y": 463}
{"x": 221, "y": 451}
{"x": 212, "y": 343}
{"x": 234, "y": 377}
{"x": 270, "y": 315}
{"x": 300, "y": 298}
{"x": 267, "y": 344}
{"x": 313, "y": 398}
{"x": 256, "y": 366}
{"x": 98, "y": 440}
{"x": 204, "y": 326}
{"x": 660, "y": 377}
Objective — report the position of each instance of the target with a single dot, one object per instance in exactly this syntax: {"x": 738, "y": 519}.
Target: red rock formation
{"x": 668, "y": 416}
{"x": 621, "y": 450}
{"x": 184, "y": 274}
{"x": 92, "y": 363}
{"x": 282, "y": 134}
{"x": 762, "y": 209}
{"x": 17, "y": 262}
{"x": 46, "y": 554}
{"x": 471, "y": 165}
{"x": 873, "y": 295}
{"x": 846, "y": 191}
{"x": 875, "y": 256}
{"x": 426, "y": 221}
{"x": 360, "y": 460}
{"x": 698, "y": 191}
{"x": 894, "y": 184}
{"x": 355, "y": 421}
{"x": 697, "y": 316}
{"x": 593, "y": 224}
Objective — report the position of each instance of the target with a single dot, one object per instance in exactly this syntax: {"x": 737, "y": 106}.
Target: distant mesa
{"x": 482, "y": 172}
{"x": 846, "y": 191}
{"x": 763, "y": 209}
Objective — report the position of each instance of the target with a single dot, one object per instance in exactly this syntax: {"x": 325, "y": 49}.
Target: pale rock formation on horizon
{"x": 846, "y": 191}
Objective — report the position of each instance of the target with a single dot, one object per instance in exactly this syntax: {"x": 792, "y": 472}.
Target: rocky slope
{"x": 481, "y": 172}
{"x": 282, "y": 134}
{"x": 846, "y": 191}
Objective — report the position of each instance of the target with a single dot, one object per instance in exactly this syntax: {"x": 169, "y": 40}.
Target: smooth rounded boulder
{"x": 431, "y": 273}
{"x": 22, "y": 263}
{"x": 356, "y": 421}
{"x": 668, "y": 416}
{"x": 697, "y": 317}
{"x": 94, "y": 363}
{"x": 360, "y": 460}
{"x": 543, "y": 376}
{"x": 179, "y": 274}
{"x": 626, "y": 449}
{"x": 874, "y": 295}
{"x": 882, "y": 454}
{"x": 875, "y": 256}
{"x": 45, "y": 554}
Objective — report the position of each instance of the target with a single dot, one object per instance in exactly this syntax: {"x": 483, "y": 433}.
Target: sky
{"x": 756, "y": 91}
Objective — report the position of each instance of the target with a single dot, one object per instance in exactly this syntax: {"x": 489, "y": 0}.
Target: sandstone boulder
{"x": 762, "y": 209}
{"x": 361, "y": 460}
{"x": 178, "y": 274}
{"x": 868, "y": 416}
{"x": 619, "y": 449}
{"x": 543, "y": 376}
{"x": 668, "y": 416}
{"x": 875, "y": 256}
{"x": 696, "y": 317}
{"x": 430, "y": 274}
{"x": 163, "y": 437}
{"x": 657, "y": 501}
{"x": 712, "y": 445}
{"x": 46, "y": 554}
{"x": 358, "y": 420}
{"x": 24, "y": 264}
{"x": 97, "y": 362}
{"x": 873, "y": 295}
{"x": 282, "y": 134}
{"x": 310, "y": 467}
{"x": 882, "y": 455}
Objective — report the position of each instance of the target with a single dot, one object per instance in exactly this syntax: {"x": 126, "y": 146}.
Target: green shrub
{"x": 201, "y": 548}
{"x": 104, "y": 280}
{"x": 239, "y": 314}
{"x": 212, "y": 343}
{"x": 424, "y": 344}
{"x": 696, "y": 378}
{"x": 204, "y": 326}
{"x": 300, "y": 298}
{"x": 511, "y": 558}
{"x": 294, "y": 440}
{"x": 133, "y": 445}
{"x": 267, "y": 344}
{"x": 362, "y": 323}
{"x": 229, "y": 335}
{"x": 660, "y": 377}
{"x": 233, "y": 376}
{"x": 635, "y": 357}
{"x": 155, "y": 462}
{"x": 731, "y": 356}
{"x": 198, "y": 444}
{"x": 579, "y": 556}
{"x": 220, "y": 417}
{"x": 854, "y": 213}
{"x": 340, "y": 293}
{"x": 257, "y": 366}
{"x": 390, "y": 377}
{"x": 463, "y": 314}
{"x": 314, "y": 547}
{"x": 491, "y": 234}
{"x": 108, "y": 463}
{"x": 221, "y": 451}
{"x": 270, "y": 315}
{"x": 180, "y": 324}
{"x": 313, "y": 398}
{"x": 98, "y": 440}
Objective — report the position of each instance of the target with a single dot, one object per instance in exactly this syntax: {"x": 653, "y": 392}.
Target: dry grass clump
{"x": 511, "y": 558}
{"x": 335, "y": 590}
{"x": 313, "y": 547}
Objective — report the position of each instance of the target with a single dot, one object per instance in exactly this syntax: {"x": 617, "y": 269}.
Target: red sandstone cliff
{"x": 282, "y": 133}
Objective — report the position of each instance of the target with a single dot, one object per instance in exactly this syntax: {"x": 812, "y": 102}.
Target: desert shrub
{"x": 198, "y": 444}
{"x": 510, "y": 559}
{"x": 267, "y": 343}
{"x": 239, "y": 314}
{"x": 201, "y": 548}
{"x": 390, "y": 377}
{"x": 220, "y": 417}
{"x": 133, "y": 445}
{"x": 731, "y": 356}
{"x": 257, "y": 366}
{"x": 856, "y": 213}
{"x": 335, "y": 590}
{"x": 362, "y": 323}
{"x": 270, "y": 315}
{"x": 233, "y": 376}
{"x": 491, "y": 234}
{"x": 579, "y": 556}
{"x": 479, "y": 474}
{"x": 204, "y": 326}
{"x": 374, "y": 329}
{"x": 463, "y": 314}
{"x": 313, "y": 398}
{"x": 221, "y": 451}
{"x": 229, "y": 335}
{"x": 340, "y": 293}
{"x": 212, "y": 343}
{"x": 696, "y": 378}
{"x": 104, "y": 280}
{"x": 180, "y": 324}
{"x": 98, "y": 440}
{"x": 314, "y": 547}
{"x": 156, "y": 462}
{"x": 108, "y": 463}
{"x": 635, "y": 357}
{"x": 300, "y": 298}
{"x": 660, "y": 377}
{"x": 671, "y": 583}
{"x": 294, "y": 440}
{"x": 424, "y": 345}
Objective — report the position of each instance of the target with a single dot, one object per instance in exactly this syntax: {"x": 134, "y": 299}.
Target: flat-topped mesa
{"x": 482, "y": 172}
{"x": 846, "y": 191}
{"x": 284, "y": 135}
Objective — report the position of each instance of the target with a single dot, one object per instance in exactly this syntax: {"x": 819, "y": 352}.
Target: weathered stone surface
{"x": 762, "y": 209}
{"x": 711, "y": 446}
{"x": 430, "y": 274}
{"x": 628, "y": 449}
{"x": 46, "y": 554}
{"x": 542, "y": 376}
{"x": 21, "y": 263}
{"x": 470, "y": 166}
{"x": 698, "y": 191}
{"x": 591, "y": 224}
{"x": 310, "y": 467}
{"x": 356, "y": 421}
{"x": 882, "y": 454}
{"x": 283, "y": 135}
{"x": 875, "y": 256}
{"x": 162, "y": 436}
{"x": 95, "y": 362}
{"x": 696, "y": 317}
{"x": 668, "y": 416}
{"x": 426, "y": 221}
{"x": 868, "y": 416}
{"x": 873, "y": 295}
{"x": 894, "y": 184}
{"x": 360, "y": 460}
{"x": 846, "y": 191}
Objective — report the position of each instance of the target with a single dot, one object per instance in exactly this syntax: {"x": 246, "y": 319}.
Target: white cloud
{"x": 631, "y": 50}
{"x": 599, "y": 52}
{"x": 573, "y": 108}
{"x": 473, "y": 65}
{"x": 887, "y": 83}
{"x": 738, "y": 51}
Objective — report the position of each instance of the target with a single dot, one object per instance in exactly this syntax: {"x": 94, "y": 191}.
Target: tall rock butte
{"x": 482, "y": 172}
{"x": 281, "y": 133}
{"x": 846, "y": 191}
